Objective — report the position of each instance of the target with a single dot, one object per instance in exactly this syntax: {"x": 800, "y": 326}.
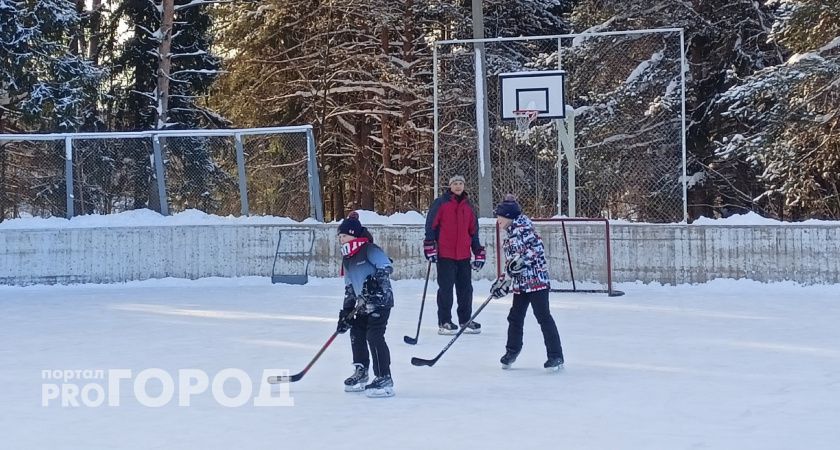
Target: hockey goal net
{"x": 578, "y": 252}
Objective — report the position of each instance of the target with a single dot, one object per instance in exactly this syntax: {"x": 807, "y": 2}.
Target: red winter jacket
{"x": 454, "y": 225}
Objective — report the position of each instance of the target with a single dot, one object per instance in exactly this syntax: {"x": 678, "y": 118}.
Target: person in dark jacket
{"x": 367, "y": 291}
{"x": 527, "y": 273}
{"x": 451, "y": 234}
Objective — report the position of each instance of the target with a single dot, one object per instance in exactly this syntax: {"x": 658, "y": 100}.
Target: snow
{"x": 724, "y": 365}
{"x": 587, "y": 33}
{"x": 149, "y": 218}
{"x": 831, "y": 45}
{"x": 797, "y": 57}
{"x": 409, "y": 218}
{"x": 644, "y": 65}
{"x": 753, "y": 219}
{"x": 192, "y": 217}
{"x": 143, "y": 218}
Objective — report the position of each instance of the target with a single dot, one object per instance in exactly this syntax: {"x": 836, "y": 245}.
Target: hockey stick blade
{"x": 423, "y": 362}
{"x": 285, "y": 378}
{"x": 409, "y": 340}
{"x": 296, "y": 377}
{"x": 431, "y": 362}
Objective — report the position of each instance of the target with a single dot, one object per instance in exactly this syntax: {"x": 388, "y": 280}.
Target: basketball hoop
{"x": 524, "y": 118}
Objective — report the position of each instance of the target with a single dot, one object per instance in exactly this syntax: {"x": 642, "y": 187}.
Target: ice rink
{"x": 725, "y": 365}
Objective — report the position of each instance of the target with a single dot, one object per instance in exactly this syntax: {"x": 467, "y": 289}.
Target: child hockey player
{"x": 526, "y": 266}
{"x": 366, "y": 270}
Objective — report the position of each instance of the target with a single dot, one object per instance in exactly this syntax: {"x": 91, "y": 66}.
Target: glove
{"x": 480, "y": 257}
{"x": 377, "y": 289}
{"x": 500, "y": 287}
{"x": 429, "y": 250}
{"x": 515, "y": 265}
{"x": 343, "y": 322}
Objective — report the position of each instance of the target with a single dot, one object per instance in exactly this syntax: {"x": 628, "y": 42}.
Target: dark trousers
{"x": 516, "y": 319}
{"x": 455, "y": 273}
{"x": 369, "y": 331}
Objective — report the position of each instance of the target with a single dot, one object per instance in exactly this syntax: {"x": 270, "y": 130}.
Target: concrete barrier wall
{"x": 667, "y": 254}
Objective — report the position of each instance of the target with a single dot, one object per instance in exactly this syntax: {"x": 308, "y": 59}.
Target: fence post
{"x": 243, "y": 182}
{"x": 68, "y": 174}
{"x": 159, "y": 173}
{"x": 316, "y": 207}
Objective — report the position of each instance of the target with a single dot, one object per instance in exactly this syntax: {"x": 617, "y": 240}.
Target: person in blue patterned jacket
{"x": 526, "y": 267}
{"x": 367, "y": 290}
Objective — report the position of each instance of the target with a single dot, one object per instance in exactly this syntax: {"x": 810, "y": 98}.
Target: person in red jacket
{"x": 451, "y": 234}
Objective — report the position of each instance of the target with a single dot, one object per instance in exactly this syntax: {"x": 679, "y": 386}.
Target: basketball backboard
{"x": 541, "y": 91}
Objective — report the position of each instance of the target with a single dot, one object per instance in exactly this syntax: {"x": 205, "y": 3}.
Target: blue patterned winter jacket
{"x": 522, "y": 239}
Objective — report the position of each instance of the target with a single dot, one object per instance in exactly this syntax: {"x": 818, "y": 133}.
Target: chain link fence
{"x": 268, "y": 171}
{"x": 625, "y": 90}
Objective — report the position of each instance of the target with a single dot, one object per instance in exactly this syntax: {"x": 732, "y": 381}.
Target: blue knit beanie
{"x": 509, "y": 208}
{"x": 351, "y": 225}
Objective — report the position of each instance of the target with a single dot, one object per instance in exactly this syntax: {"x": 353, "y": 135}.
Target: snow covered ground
{"x": 726, "y": 365}
{"x": 149, "y": 218}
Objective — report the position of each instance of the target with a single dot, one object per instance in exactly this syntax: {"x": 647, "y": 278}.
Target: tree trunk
{"x": 387, "y": 190}
{"x": 364, "y": 178}
{"x": 162, "y": 107}
{"x": 165, "y": 63}
{"x": 386, "y": 164}
{"x": 95, "y": 31}
{"x": 77, "y": 42}
{"x": 338, "y": 200}
{"x": 407, "y": 198}
{"x": 2, "y": 174}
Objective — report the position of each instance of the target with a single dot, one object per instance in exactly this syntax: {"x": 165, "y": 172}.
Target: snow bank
{"x": 148, "y": 218}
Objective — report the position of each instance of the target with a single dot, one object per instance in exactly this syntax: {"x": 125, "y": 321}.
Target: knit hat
{"x": 509, "y": 208}
{"x": 457, "y": 178}
{"x": 351, "y": 225}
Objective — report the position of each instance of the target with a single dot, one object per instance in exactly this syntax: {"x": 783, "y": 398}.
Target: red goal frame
{"x": 562, "y": 221}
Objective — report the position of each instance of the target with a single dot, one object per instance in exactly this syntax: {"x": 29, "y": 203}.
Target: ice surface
{"x": 725, "y": 365}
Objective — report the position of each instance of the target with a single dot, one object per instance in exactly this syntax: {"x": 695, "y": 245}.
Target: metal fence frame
{"x": 484, "y": 158}
{"x": 314, "y": 183}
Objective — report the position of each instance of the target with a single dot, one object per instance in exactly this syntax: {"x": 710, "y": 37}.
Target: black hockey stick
{"x": 296, "y": 377}
{"x": 413, "y": 340}
{"x": 431, "y": 362}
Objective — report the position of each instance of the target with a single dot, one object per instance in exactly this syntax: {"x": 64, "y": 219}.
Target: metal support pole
{"x": 68, "y": 175}
{"x": 566, "y": 138}
{"x": 316, "y": 207}
{"x": 159, "y": 174}
{"x": 485, "y": 174}
{"x": 437, "y": 122}
{"x": 243, "y": 182}
{"x": 683, "y": 70}
{"x": 557, "y": 124}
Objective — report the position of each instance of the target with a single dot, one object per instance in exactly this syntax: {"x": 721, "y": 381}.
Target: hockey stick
{"x": 408, "y": 339}
{"x": 296, "y": 377}
{"x": 431, "y": 362}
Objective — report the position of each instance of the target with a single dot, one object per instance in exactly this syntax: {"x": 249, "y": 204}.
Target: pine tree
{"x": 360, "y": 73}
{"x": 724, "y": 43}
{"x": 190, "y": 69}
{"x": 44, "y": 86}
{"x": 781, "y": 123}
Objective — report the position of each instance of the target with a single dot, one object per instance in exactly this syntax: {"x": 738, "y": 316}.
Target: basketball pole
{"x": 485, "y": 173}
{"x": 566, "y": 141}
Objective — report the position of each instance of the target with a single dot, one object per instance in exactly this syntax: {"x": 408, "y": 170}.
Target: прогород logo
{"x": 93, "y": 388}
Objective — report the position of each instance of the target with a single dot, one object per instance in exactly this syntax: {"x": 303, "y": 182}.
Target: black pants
{"x": 369, "y": 331}
{"x": 456, "y": 273}
{"x": 516, "y": 319}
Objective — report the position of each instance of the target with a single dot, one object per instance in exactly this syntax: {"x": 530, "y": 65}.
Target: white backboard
{"x": 539, "y": 90}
